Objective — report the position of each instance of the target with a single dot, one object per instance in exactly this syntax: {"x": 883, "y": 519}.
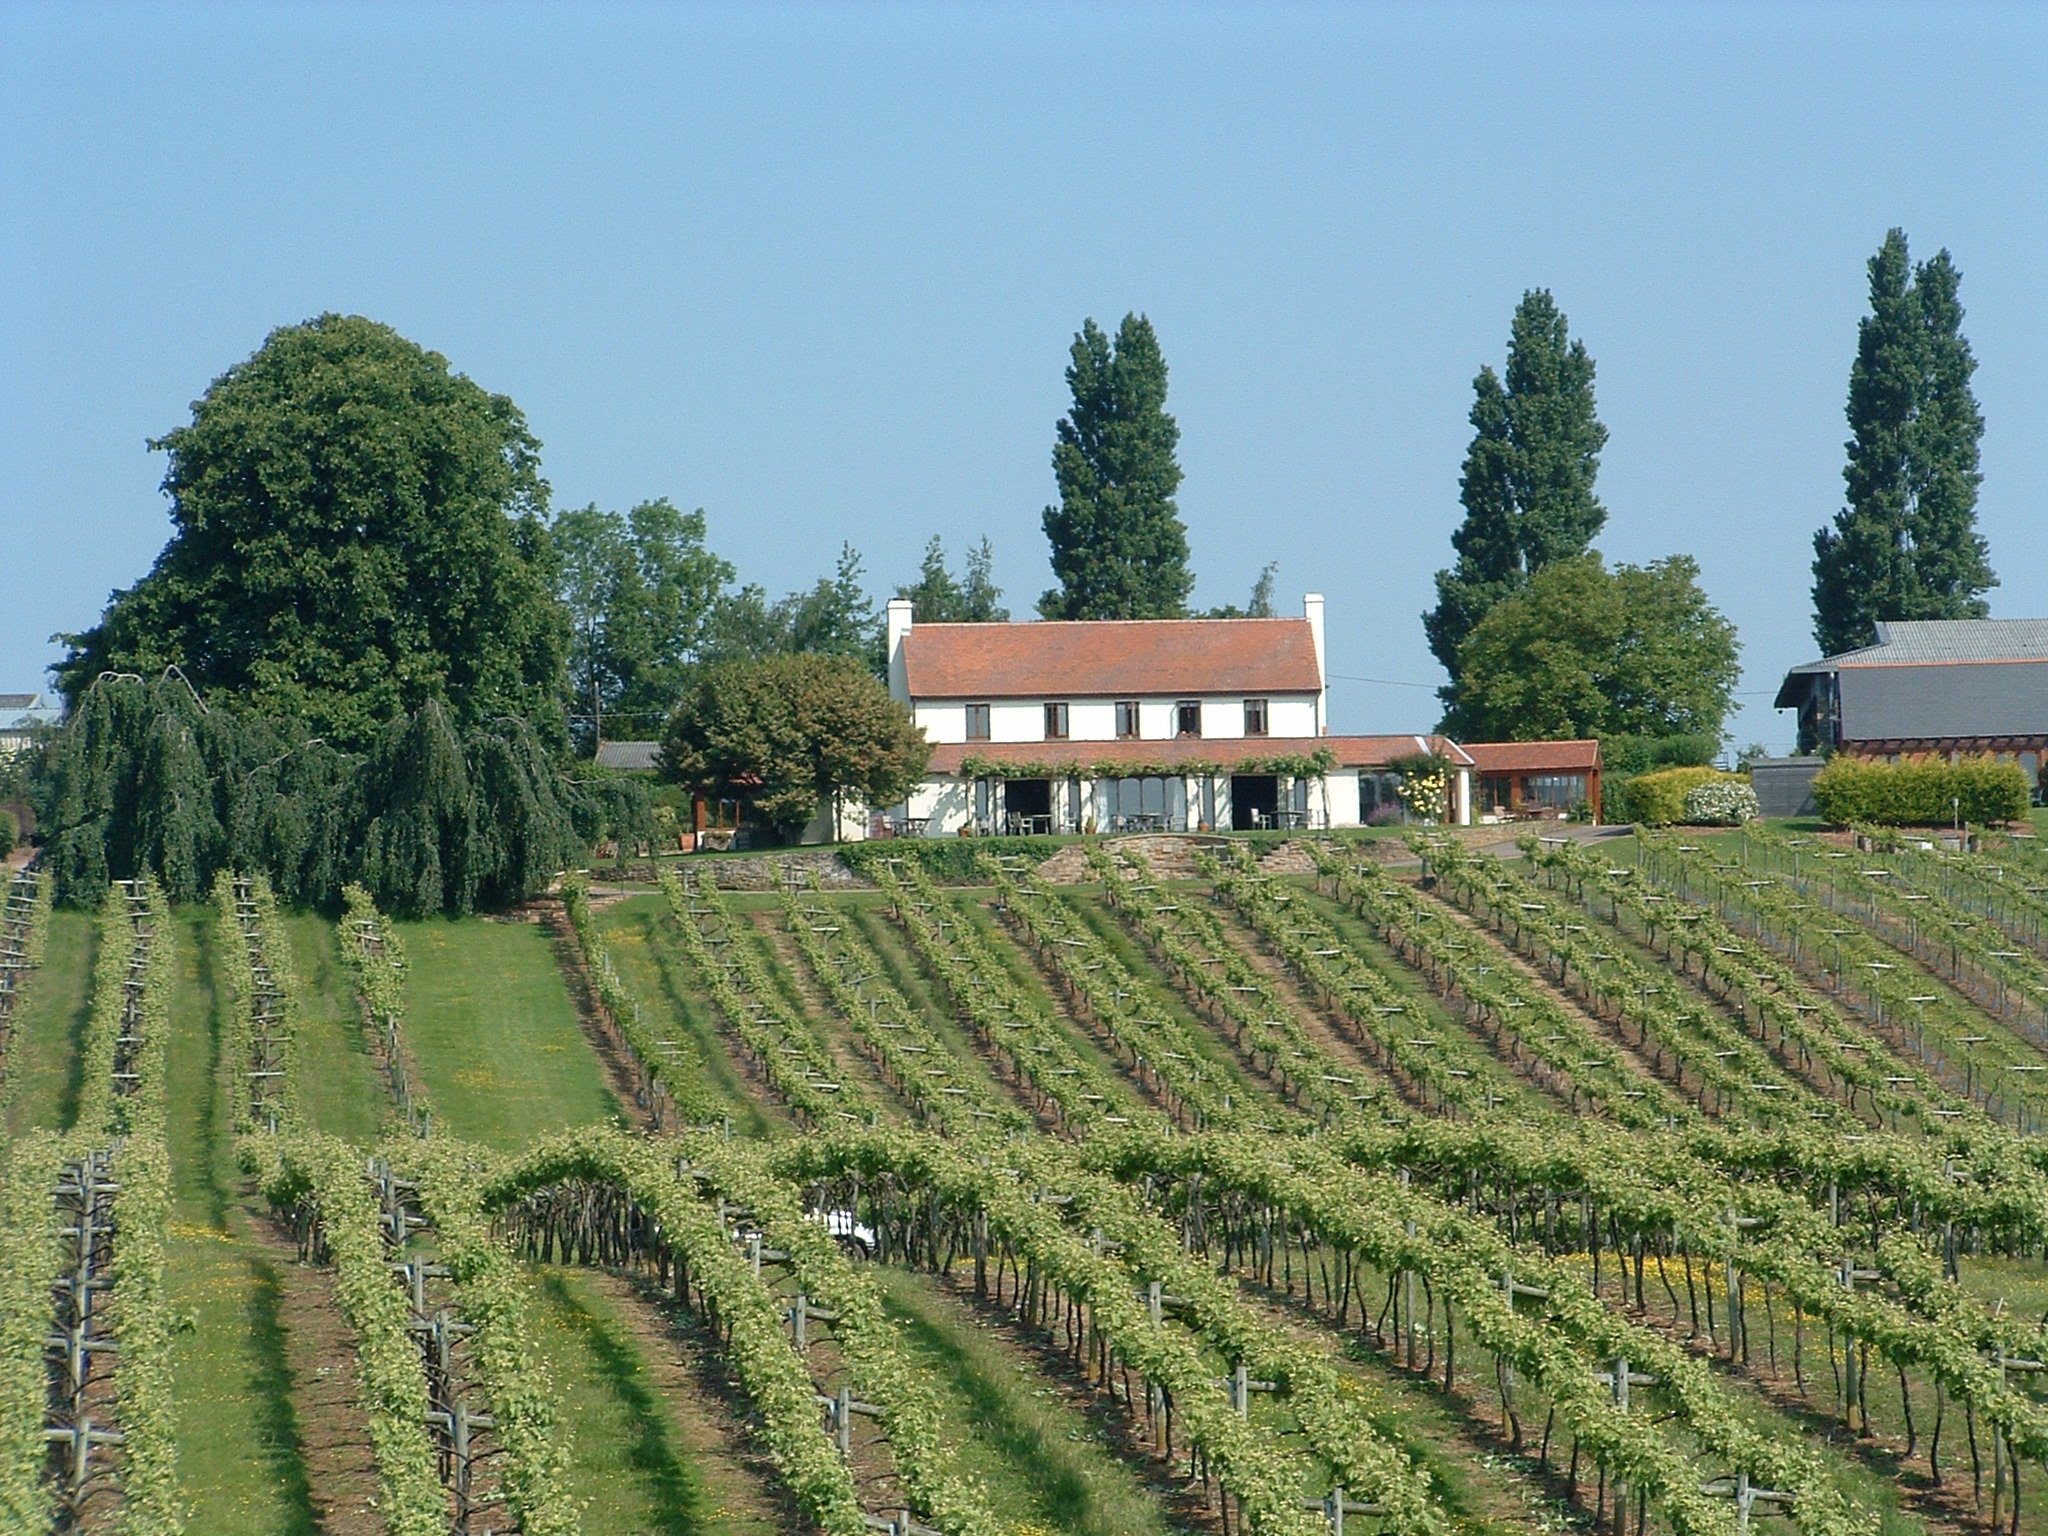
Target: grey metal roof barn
{"x": 1929, "y": 685}
{"x": 639, "y": 755}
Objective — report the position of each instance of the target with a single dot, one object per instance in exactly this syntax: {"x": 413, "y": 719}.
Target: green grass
{"x": 49, "y": 1027}
{"x": 1044, "y": 1466}
{"x": 1095, "y": 915}
{"x": 490, "y": 1027}
{"x": 1425, "y": 1006}
{"x": 1031, "y": 983}
{"x": 353, "y": 1101}
{"x": 650, "y": 964}
{"x": 626, "y": 1459}
{"x": 238, "y": 1437}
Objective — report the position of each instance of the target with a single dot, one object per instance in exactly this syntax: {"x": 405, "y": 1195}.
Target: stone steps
{"x": 1170, "y": 854}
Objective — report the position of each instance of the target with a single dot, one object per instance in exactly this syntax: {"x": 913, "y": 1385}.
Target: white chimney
{"x": 1312, "y": 609}
{"x": 899, "y": 616}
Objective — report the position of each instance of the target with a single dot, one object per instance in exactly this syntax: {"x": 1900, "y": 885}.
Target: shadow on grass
{"x": 271, "y": 1384}
{"x": 712, "y": 1053}
{"x": 203, "y": 1179}
{"x": 74, "y": 1074}
{"x": 676, "y": 1495}
{"x": 1061, "y": 1496}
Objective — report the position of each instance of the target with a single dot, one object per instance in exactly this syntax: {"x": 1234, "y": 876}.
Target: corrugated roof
{"x": 1123, "y": 658}
{"x": 1908, "y": 641}
{"x": 629, "y": 754}
{"x": 1349, "y": 751}
{"x": 1534, "y": 756}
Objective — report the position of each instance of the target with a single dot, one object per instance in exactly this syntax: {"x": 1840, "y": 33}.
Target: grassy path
{"x": 1046, "y": 1468}
{"x": 658, "y": 975}
{"x": 1249, "y": 1087}
{"x": 1522, "y": 1096}
{"x": 49, "y": 1025}
{"x": 238, "y": 1431}
{"x": 490, "y": 1026}
{"x": 352, "y": 1101}
{"x": 644, "y": 1456}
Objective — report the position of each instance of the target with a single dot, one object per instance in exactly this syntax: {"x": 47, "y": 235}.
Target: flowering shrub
{"x": 1721, "y": 803}
{"x": 1658, "y": 799}
{"x": 1425, "y": 784}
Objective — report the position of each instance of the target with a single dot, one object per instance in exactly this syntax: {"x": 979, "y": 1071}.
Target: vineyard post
{"x": 1852, "y": 1394}
{"x": 1335, "y": 1507}
{"x": 2005, "y": 1363}
{"x": 1408, "y": 1286}
{"x": 1745, "y": 1494}
{"x": 1618, "y": 1381}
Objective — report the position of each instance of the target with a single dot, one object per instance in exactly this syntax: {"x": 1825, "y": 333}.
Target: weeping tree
{"x": 416, "y": 847}
{"x": 148, "y": 777}
{"x": 297, "y": 815}
{"x": 133, "y": 785}
{"x": 525, "y": 833}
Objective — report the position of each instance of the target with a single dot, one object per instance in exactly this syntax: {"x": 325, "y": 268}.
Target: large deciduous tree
{"x": 793, "y": 735}
{"x": 1119, "y": 548}
{"x": 358, "y": 530}
{"x": 641, "y": 590}
{"x": 1906, "y": 546}
{"x": 1527, "y": 484}
{"x": 1583, "y": 651}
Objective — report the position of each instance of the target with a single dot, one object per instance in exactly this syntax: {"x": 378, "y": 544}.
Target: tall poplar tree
{"x": 1527, "y": 485}
{"x": 1119, "y": 548}
{"x": 1906, "y": 546}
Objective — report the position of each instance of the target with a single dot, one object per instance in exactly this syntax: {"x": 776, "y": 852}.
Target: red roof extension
{"x": 1510, "y": 757}
{"x": 1122, "y": 658}
{"x": 1349, "y": 751}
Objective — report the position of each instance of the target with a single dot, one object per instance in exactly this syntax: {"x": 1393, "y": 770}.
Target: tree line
{"x": 364, "y": 574}
{"x": 1539, "y": 638}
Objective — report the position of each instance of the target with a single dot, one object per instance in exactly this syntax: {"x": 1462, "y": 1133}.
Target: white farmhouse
{"x": 1117, "y": 725}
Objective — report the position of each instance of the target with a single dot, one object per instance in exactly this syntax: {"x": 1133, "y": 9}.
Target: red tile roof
{"x": 1349, "y": 751}
{"x": 1506, "y": 757}
{"x": 1122, "y": 658}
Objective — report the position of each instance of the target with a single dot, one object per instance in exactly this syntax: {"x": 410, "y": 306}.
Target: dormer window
{"x": 977, "y": 722}
{"x": 1055, "y": 722}
{"x": 1187, "y": 718}
{"x": 1255, "y": 717}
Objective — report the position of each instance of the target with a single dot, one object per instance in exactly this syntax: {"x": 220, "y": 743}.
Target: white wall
{"x": 1341, "y": 785}
{"x": 948, "y": 804}
{"x": 1013, "y": 722}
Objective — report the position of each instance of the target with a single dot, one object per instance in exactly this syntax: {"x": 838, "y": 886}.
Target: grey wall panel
{"x": 1890, "y": 703}
{"x": 1784, "y": 786}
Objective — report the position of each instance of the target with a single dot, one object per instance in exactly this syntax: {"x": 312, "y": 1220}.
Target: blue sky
{"x": 815, "y": 269}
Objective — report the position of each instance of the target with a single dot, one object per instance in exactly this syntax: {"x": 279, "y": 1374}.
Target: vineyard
{"x": 1651, "y": 1183}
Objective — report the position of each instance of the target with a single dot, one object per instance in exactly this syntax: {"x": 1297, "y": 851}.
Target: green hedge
{"x": 949, "y": 860}
{"x": 10, "y": 833}
{"x": 1922, "y": 792}
{"x": 1658, "y": 799}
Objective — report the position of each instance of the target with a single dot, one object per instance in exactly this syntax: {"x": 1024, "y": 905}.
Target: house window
{"x": 977, "y": 722}
{"x": 1187, "y": 718}
{"x": 1554, "y": 791}
{"x": 1055, "y": 722}
{"x": 1127, "y": 720}
{"x": 1255, "y": 717}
